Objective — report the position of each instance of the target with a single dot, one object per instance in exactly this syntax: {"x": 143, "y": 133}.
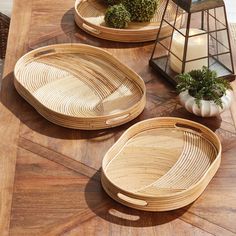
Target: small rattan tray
{"x": 161, "y": 164}
{"x": 79, "y": 86}
{"x": 89, "y": 16}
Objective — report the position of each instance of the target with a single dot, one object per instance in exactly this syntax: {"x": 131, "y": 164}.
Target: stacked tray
{"x": 79, "y": 86}
{"x": 161, "y": 164}
{"x": 89, "y": 16}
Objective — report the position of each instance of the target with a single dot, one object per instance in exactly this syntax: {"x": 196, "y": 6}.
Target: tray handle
{"x": 132, "y": 201}
{"x": 186, "y": 126}
{"x": 38, "y": 54}
{"x": 90, "y": 29}
{"x": 116, "y": 120}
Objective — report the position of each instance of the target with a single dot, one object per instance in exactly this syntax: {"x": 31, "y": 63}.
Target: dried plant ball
{"x": 117, "y": 16}
{"x": 112, "y": 2}
{"x": 141, "y": 10}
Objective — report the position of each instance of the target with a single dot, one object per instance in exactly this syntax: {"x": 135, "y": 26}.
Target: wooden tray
{"x": 161, "y": 164}
{"x": 79, "y": 86}
{"x": 89, "y": 16}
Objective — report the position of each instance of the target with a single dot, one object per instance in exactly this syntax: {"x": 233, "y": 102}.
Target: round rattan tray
{"x": 89, "y": 16}
{"x": 161, "y": 164}
{"x": 79, "y": 86}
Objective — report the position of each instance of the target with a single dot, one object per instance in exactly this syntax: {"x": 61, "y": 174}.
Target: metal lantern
{"x": 201, "y": 39}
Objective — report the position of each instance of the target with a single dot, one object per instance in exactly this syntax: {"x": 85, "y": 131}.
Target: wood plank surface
{"x": 9, "y": 108}
{"x": 55, "y": 188}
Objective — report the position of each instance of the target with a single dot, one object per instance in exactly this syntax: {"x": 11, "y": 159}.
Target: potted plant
{"x": 203, "y": 94}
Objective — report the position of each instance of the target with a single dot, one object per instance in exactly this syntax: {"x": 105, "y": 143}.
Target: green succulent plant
{"x": 141, "y": 10}
{"x": 203, "y": 85}
{"x": 117, "y": 16}
{"x": 112, "y": 2}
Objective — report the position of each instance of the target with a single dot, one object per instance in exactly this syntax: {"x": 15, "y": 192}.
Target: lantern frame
{"x": 157, "y": 63}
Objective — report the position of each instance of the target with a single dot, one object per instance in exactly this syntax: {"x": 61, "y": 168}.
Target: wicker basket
{"x": 4, "y": 28}
{"x": 161, "y": 164}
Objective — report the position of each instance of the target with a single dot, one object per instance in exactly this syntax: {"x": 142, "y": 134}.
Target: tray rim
{"x": 114, "y": 30}
{"x": 48, "y": 47}
{"x": 78, "y": 44}
{"x": 143, "y": 196}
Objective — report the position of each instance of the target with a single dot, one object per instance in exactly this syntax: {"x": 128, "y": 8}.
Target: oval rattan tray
{"x": 79, "y": 86}
{"x": 161, "y": 164}
{"x": 89, "y": 16}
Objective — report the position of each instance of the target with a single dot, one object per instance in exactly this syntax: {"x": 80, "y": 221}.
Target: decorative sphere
{"x": 141, "y": 10}
{"x": 117, "y": 16}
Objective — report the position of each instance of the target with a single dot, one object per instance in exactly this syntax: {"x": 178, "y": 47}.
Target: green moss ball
{"x": 141, "y": 10}
{"x": 112, "y": 2}
{"x": 117, "y": 16}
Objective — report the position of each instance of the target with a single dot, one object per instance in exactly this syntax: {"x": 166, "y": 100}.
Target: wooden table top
{"x": 50, "y": 176}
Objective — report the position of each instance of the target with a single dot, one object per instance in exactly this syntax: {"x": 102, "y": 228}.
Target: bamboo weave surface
{"x": 80, "y": 86}
{"x": 164, "y": 162}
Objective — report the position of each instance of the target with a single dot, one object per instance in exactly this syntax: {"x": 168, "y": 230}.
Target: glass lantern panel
{"x": 183, "y": 24}
{"x": 174, "y": 15}
{"x": 215, "y": 22}
{"x": 219, "y": 43}
{"x": 197, "y": 44}
{"x": 222, "y": 65}
{"x": 196, "y": 65}
{"x": 197, "y": 50}
{"x": 165, "y": 32}
{"x": 196, "y": 20}
{"x": 221, "y": 17}
{"x": 177, "y": 51}
{"x": 161, "y": 49}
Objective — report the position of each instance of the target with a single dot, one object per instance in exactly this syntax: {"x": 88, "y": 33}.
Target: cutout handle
{"x": 186, "y": 126}
{"x": 90, "y": 29}
{"x": 44, "y": 52}
{"x": 116, "y": 120}
{"x": 133, "y": 201}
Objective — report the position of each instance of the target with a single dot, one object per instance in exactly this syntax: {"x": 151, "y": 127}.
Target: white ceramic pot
{"x": 207, "y": 108}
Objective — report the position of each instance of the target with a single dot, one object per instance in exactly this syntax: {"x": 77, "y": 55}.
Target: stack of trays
{"x": 79, "y": 86}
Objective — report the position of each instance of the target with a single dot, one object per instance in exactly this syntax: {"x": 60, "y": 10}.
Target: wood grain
{"x": 50, "y": 200}
{"x": 208, "y": 226}
{"x": 9, "y": 124}
{"x": 44, "y": 186}
{"x": 47, "y": 193}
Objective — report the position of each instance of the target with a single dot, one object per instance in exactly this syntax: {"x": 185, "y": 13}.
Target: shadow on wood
{"x": 122, "y": 215}
{"x": 76, "y": 34}
{"x": 30, "y": 117}
{"x": 213, "y": 123}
